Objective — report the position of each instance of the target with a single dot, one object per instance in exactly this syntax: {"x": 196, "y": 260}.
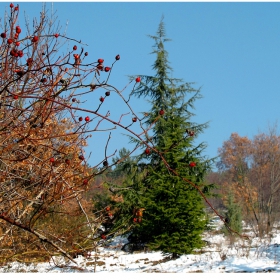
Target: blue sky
{"x": 230, "y": 50}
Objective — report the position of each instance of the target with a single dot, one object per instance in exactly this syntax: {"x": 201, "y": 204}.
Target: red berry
{"x": 80, "y": 119}
{"x": 16, "y": 8}
{"x": 107, "y": 69}
{"x": 15, "y": 97}
{"x": 12, "y": 52}
{"x": 86, "y": 53}
{"x": 20, "y": 53}
{"x": 108, "y": 208}
{"x": 17, "y": 44}
{"x": 161, "y": 112}
{"x": 135, "y": 220}
{"x": 147, "y": 151}
{"x": 134, "y": 119}
{"x": 87, "y": 119}
{"x": 11, "y": 5}
{"x": 18, "y": 30}
{"x": 43, "y": 80}
{"x": 56, "y": 35}
{"x": 100, "y": 60}
{"x": 52, "y": 159}
{"x": 138, "y": 79}
{"x": 3, "y": 35}
{"x": 10, "y": 41}
{"x": 103, "y": 236}
{"x": 107, "y": 93}
{"x": 75, "y": 47}
{"x": 67, "y": 161}
{"x": 74, "y": 99}
{"x": 85, "y": 182}
{"x": 192, "y": 164}
{"x": 105, "y": 163}
{"x": 101, "y": 99}
{"x": 29, "y": 61}
{"x": 35, "y": 39}
{"x": 81, "y": 157}
{"x": 118, "y": 57}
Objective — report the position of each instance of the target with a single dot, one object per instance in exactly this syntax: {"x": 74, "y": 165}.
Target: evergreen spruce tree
{"x": 173, "y": 210}
{"x": 233, "y": 216}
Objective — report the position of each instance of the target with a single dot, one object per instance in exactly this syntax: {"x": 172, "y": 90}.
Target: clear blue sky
{"x": 230, "y": 50}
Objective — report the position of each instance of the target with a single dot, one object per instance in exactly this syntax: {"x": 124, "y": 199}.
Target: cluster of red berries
{"x": 16, "y": 8}
{"x": 101, "y": 67}
{"x": 138, "y": 216}
{"x": 14, "y": 52}
{"x": 108, "y": 209}
{"x": 87, "y": 119}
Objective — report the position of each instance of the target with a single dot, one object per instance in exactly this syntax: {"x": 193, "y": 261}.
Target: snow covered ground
{"x": 254, "y": 255}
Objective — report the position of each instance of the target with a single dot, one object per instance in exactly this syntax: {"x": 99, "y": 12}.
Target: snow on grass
{"x": 219, "y": 256}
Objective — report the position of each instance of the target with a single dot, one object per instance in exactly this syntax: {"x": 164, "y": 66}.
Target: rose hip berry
{"x": 81, "y": 157}
{"x": 118, "y": 57}
{"x": 35, "y": 39}
{"x": 56, "y": 35}
{"x": 3, "y": 35}
{"x": 161, "y": 112}
{"x": 100, "y": 60}
{"x": 192, "y": 164}
{"x": 107, "y": 93}
{"x": 75, "y": 47}
{"x": 147, "y": 151}
{"x": 138, "y": 79}
{"x": 80, "y": 119}
{"x": 107, "y": 69}
{"x": 87, "y": 119}
{"x": 101, "y": 99}
{"x": 18, "y": 29}
{"x": 10, "y": 41}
